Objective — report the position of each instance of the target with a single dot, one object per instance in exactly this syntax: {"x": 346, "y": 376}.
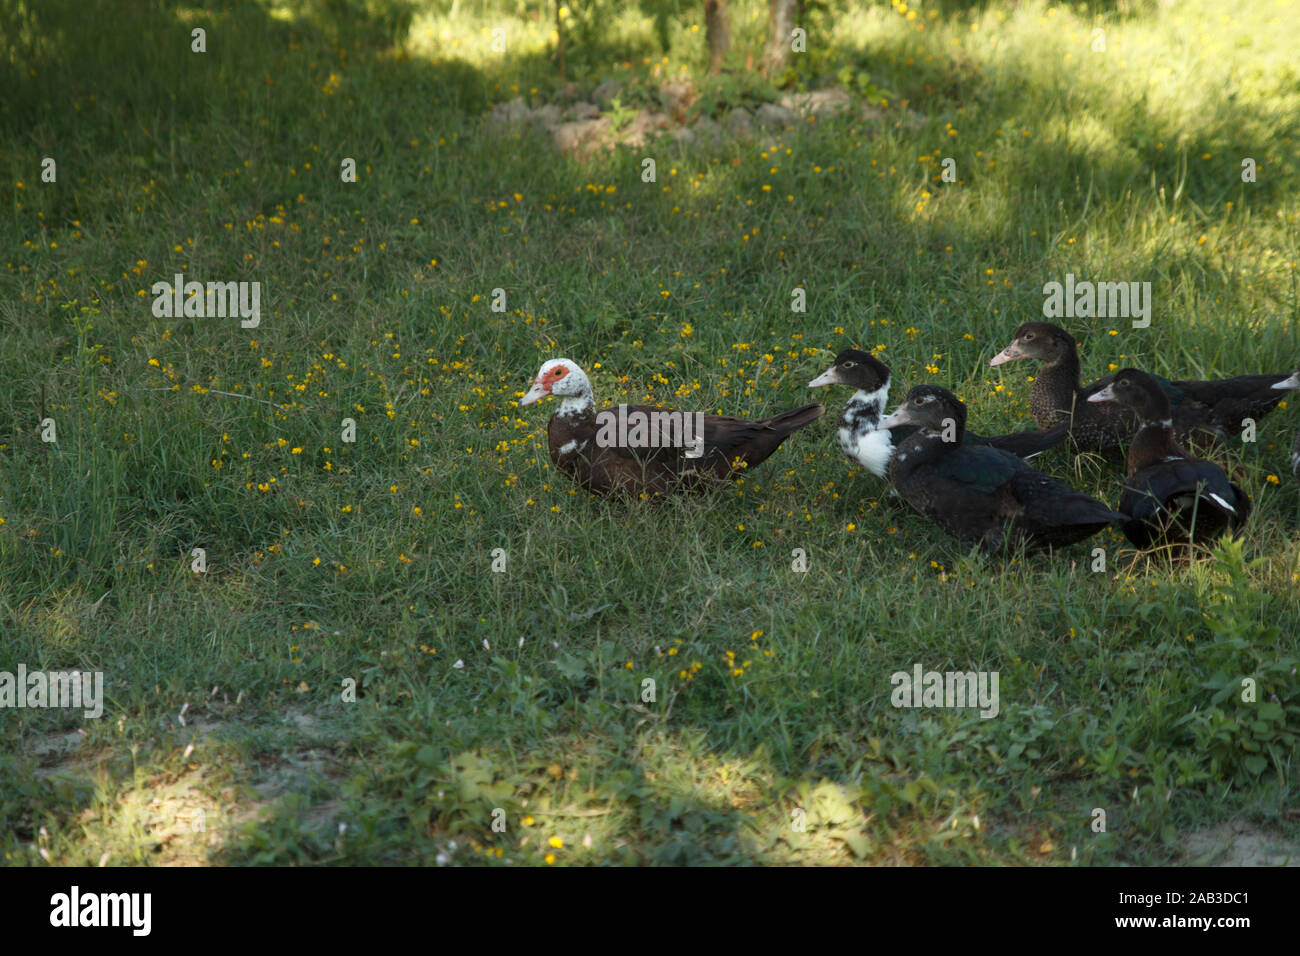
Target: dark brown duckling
{"x": 980, "y": 494}
{"x": 1171, "y": 496}
{"x": 657, "y": 450}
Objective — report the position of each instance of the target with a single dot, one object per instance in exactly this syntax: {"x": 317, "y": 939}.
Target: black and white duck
{"x": 981, "y": 494}
{"x": 1204, "y": 412}
{"x": 1171, "y": 496}
{"x": 863, "y": 440}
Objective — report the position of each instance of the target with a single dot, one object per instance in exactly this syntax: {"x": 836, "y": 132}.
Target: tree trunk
{"x": 559, "y": 40}
{"x": 781, "y": 17}
{"x": 716, "y": 32}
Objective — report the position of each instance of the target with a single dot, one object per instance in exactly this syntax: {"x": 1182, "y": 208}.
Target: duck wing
{"x": 980, "y": 468}
{"x": 656, "y": 455}
{"x": 1023, "y": 444}
{"x": 589, "y": 451}
{"x": 1230, "y": 400}
{"x": 1047, "y": 501}
{"x": 731, "y": 439}
{"x": 1182, "y": 499}
{"x": 985, "y": 494}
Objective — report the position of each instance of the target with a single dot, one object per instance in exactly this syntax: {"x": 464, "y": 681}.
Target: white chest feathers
{"x": 859, "y": 438}
{"x": 871, "y": 449}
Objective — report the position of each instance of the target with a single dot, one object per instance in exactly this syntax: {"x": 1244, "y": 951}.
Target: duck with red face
{"x": 605, "y": 460}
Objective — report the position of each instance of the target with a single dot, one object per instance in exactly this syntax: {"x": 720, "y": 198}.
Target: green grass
{"x": 372, "y": 560}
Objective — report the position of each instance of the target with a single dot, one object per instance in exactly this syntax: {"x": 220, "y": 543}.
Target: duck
{"x": 980, "y": 494}
{"x": 1170, "y": 496}
{"x": 1204, "y": 412}
{"x": 863, "y": 440}
{"x": 640, "y": 450}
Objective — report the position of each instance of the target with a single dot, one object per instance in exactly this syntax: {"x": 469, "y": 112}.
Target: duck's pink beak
{"x": 829, "y": 377}
{"x": 900, "y": 416}
{"x": 1008, "y": 354}
{"x": 1107, "y": 394}
{"x": 535, "y": 394}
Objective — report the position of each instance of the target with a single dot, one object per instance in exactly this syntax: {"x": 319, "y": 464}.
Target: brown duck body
{"x": 1203, "y": 412}
{"x": 1058, "y": 398}
{"x": 729, "y": 447}
{"x": 642, "y": 450}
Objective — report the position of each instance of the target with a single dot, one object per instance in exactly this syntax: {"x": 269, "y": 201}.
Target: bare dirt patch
{"x": 1239, "y": 844}
{"x": 584, "y": 126}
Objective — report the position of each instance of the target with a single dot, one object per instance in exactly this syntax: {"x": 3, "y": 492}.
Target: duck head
{"x": 852, "y": 367}
{"x": 565, "y": 380}
{"x": 1140, "y": 392}
{"x": 936, "y": 411}
{"x": 1043, "y": 341}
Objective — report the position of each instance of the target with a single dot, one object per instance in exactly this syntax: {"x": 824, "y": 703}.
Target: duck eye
{"x": 850, "y": 364}
{"x": 1028, "y": 336}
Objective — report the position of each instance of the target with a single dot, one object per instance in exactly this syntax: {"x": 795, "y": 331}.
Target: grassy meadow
{"x": 225, "y": 738}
